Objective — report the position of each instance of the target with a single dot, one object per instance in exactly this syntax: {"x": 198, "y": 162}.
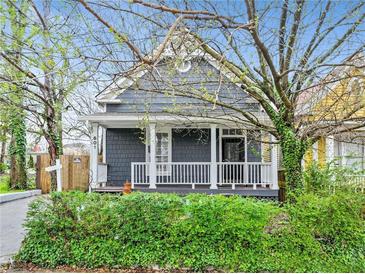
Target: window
{"x": 233, "y": 132}
{"x": 353, "y": 155}
{"x": 350, "y": 153}
{"x": 183, "y": 66}
{"x": 162, "y": 147}
{"x": 163, "y": 150}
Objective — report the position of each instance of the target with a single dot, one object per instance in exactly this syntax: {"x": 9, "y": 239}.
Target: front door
{"x": 233, "y": 149}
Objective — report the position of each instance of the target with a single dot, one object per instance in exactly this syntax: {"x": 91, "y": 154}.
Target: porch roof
{"x": 125, "y": 120}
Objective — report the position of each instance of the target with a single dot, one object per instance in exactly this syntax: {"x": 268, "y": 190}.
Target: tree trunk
{"x": 3, "y": 149}
{"x": 293, "y": 150}
{"x": 17, "y": 151}
{"x": 18, "y": 174}
{"x": 54, "y": 143}
{"x": 53, "y": 155}
{"x": 13, "y": 166}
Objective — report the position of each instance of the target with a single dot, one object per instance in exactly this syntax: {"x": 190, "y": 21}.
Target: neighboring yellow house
{"x": 342, "y": 100}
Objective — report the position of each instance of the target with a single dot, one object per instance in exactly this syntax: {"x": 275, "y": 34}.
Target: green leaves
{"x": 197, "y": 232}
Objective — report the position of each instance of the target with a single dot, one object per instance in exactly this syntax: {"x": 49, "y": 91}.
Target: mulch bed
{"x": 31, "y": 268}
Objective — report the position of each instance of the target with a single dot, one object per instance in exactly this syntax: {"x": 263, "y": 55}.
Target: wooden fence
{"x": 75, "y": 172}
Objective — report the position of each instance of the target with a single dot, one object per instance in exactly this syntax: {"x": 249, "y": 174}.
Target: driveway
{"x": 12, "y": 215}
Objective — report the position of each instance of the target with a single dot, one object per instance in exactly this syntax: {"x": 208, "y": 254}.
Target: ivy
{"x": 17, "y": 126}
{"x": 17, "y": 149}
{"x": 293, "y": 150}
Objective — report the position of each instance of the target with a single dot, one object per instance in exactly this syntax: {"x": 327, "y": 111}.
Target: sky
{"x": 95, "y": 41}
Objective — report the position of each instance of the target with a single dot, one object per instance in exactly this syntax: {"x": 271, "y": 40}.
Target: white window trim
{"x": 221, "y": 136}
{"x": 169, "y": 145}
{"x": 169, "y": 155}
{"x": 244, "y": 131}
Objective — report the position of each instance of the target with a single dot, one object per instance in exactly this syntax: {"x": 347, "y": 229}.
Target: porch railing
{"x": 199, "y": 173}
{"x": 356, "y": 181}
{"x": 251, "y": 174}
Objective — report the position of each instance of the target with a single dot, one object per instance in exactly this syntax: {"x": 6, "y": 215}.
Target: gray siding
{"x": 190, "y": 145}
{"x": 158, "y": 91}
{"x": 123, "y": 146}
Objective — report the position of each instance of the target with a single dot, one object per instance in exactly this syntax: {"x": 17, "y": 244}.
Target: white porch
{"x": 158, "y": 172}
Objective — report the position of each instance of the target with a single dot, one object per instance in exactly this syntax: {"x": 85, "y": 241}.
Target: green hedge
{"x": 197, "y": 232}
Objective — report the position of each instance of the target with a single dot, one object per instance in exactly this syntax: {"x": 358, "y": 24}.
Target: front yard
{"x": 166, "y": 232}
{"x": 4, "y": 185}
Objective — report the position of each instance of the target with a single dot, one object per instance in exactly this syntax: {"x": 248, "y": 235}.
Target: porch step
{"x": 260, "y": 193}
{"x": 265, "y": 193}
{"x": 109, "y": 189}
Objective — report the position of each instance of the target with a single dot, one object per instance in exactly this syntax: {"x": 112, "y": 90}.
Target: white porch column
{"x": 213, "y": 157}
{"x": 153, "y": 172}
{"x": 104, "y": 144}
{"x": 274, "y": 164}
{"x": 94, "y": 156}
{"x": 330, "y": 148}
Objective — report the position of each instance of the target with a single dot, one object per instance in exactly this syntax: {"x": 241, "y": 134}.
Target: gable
{"x": 181, "y": 45}
{"x": 165, "y": 89}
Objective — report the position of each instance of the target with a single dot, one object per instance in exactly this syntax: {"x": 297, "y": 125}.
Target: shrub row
{"x": 197, "y": 232}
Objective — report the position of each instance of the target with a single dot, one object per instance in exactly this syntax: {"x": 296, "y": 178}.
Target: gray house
{"x": 176, "y": 127}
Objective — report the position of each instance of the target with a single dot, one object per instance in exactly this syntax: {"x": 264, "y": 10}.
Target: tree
{"x": 48, "y": 72}
{"x": 275, "y": 51}
{"x": 16, "y": 123}
{"x": 4, "y": 131}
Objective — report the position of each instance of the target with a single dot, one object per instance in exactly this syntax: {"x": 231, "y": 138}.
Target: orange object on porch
{"x": 127, "y": 187}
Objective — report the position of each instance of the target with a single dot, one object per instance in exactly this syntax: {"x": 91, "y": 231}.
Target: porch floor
{"x": 183, "y": 190}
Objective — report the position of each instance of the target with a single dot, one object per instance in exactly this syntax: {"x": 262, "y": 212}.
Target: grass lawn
{"x": 4, "y": 185}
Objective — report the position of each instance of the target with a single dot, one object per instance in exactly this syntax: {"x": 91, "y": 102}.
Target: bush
{"x": 198, "y": 232}
{"x": 323, "y": 234}
{"x": 329, "y": 178}
{"x": 3, "y": 168}
{"x": 4, "y": 184}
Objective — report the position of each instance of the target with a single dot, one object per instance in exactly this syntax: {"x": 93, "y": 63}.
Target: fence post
{"x": 58, "y": 176}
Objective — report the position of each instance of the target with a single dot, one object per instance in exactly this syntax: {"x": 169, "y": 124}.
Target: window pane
{"x": 164, "y": 151}
{"x": 162, "y": 147}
